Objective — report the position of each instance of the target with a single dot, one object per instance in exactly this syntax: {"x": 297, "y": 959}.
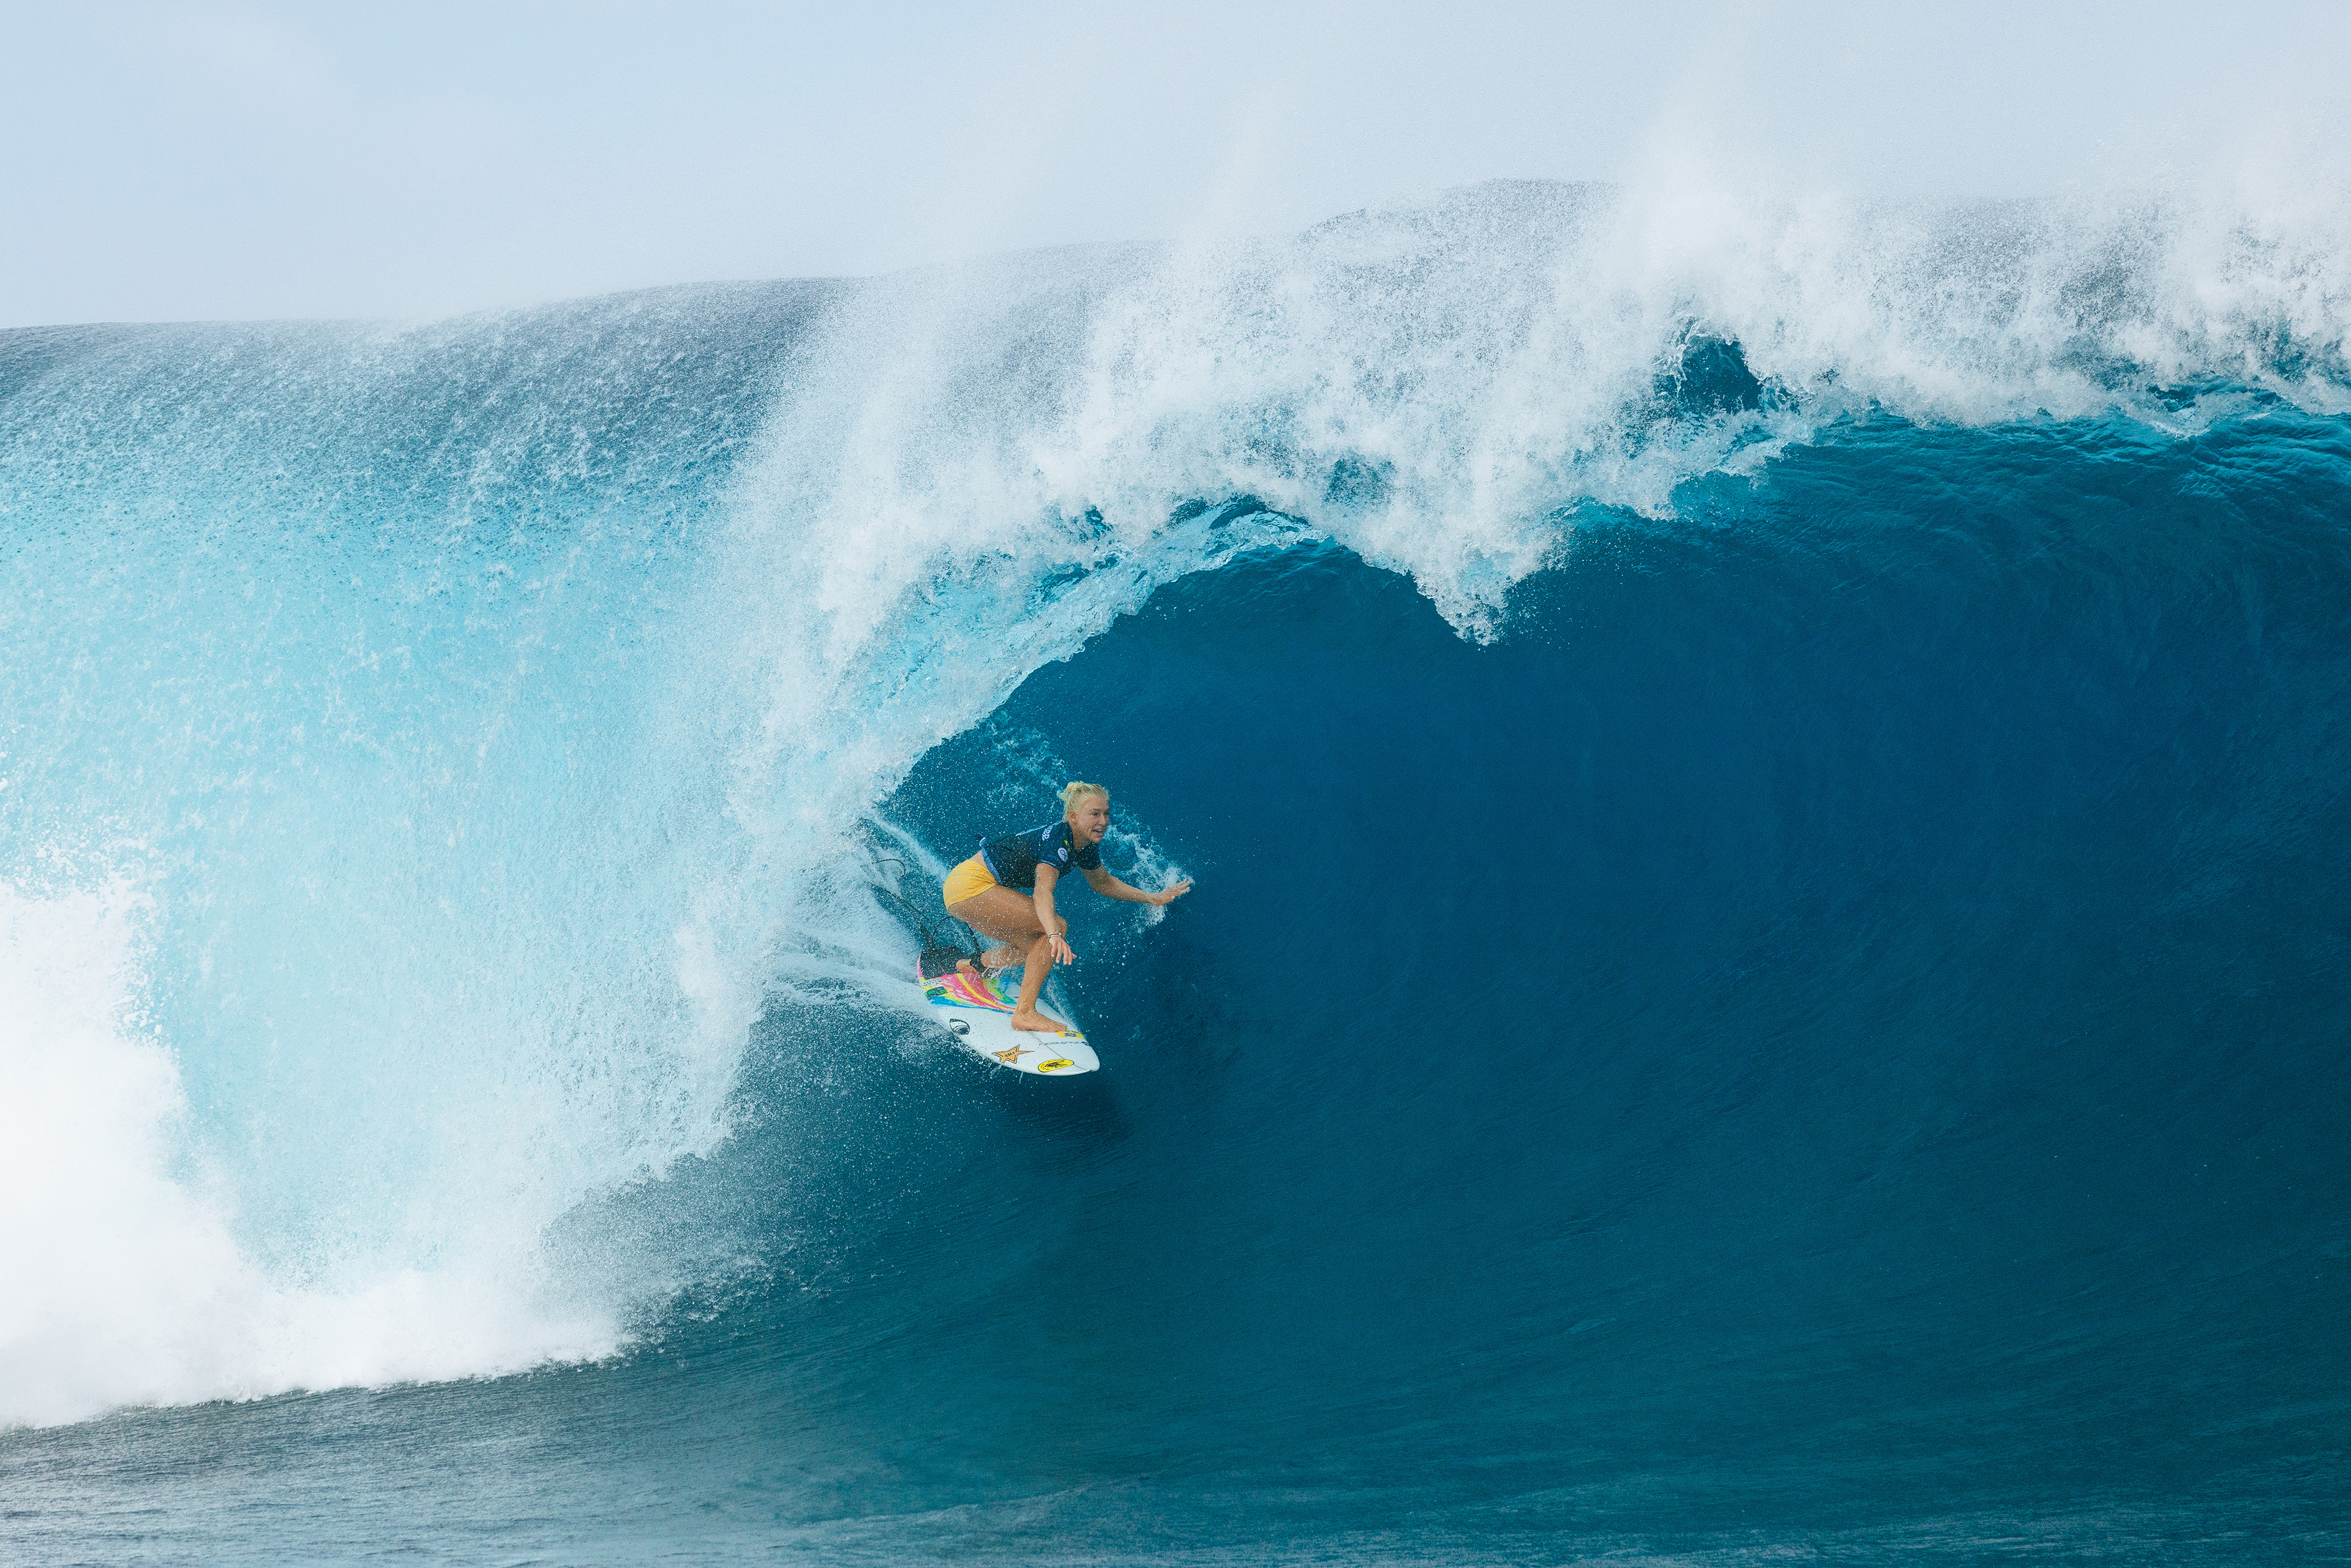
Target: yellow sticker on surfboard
{"x": 978, "y": 1014}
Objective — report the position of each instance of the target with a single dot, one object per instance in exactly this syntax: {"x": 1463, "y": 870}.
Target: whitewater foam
{"x": 128, "y": 1284}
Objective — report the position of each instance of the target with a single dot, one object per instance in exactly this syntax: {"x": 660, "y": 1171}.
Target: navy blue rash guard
{"x": 1013, "y": 860}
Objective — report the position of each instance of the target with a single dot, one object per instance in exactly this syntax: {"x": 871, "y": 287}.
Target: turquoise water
{"x": 1766, "y": 977}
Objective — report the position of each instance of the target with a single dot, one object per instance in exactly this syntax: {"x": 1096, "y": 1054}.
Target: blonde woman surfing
{"x": 1006, "y": 891}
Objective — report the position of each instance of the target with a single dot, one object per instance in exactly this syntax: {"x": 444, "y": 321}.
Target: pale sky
{"x": 211, "y": 160}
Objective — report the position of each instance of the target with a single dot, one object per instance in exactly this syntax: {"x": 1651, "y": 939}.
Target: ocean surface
{"x": 1768, "y": 790}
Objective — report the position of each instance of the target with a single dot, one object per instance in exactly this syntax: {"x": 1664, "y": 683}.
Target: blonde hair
{"x": 1078, "y": 790}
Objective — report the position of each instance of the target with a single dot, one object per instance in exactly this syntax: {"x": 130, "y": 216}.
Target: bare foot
{"x": 1036, "y": 1022}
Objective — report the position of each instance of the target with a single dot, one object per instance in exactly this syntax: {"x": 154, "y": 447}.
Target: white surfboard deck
{"x": 978, "y": 1016}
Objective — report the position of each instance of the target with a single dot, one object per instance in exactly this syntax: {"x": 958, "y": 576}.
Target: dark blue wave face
{"x": 1826, "y": 1036}
{"x": 1852, "y": 979}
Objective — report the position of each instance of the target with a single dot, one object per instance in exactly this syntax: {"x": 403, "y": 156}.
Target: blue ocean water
{"x": 1766, "y": 981}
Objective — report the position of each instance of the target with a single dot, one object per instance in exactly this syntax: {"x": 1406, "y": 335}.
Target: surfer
{"x": 1006, "y": 891}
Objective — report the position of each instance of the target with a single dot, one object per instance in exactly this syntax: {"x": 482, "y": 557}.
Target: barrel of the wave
{"x": 977, "y": 1009}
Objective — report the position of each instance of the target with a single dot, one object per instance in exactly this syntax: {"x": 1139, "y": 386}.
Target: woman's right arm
{"x": 1046, "y": 877}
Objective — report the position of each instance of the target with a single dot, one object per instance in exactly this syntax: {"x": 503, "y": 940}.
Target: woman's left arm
{"x": 1109, "y": 886}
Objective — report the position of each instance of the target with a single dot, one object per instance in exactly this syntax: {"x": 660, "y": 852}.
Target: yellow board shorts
{"x": 971, "y": 877}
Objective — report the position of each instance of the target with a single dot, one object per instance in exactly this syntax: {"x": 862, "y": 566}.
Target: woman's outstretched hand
{"x": 1167, "y": 895}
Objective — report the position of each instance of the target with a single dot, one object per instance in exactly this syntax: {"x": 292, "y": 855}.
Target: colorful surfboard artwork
{"x": 978, "y": 1014}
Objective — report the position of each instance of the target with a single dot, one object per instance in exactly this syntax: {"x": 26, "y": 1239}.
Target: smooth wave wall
{"x": 428, "y": 750}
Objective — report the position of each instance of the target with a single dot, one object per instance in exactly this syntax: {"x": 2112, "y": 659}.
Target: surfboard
{"x": 978, "y": 1015}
